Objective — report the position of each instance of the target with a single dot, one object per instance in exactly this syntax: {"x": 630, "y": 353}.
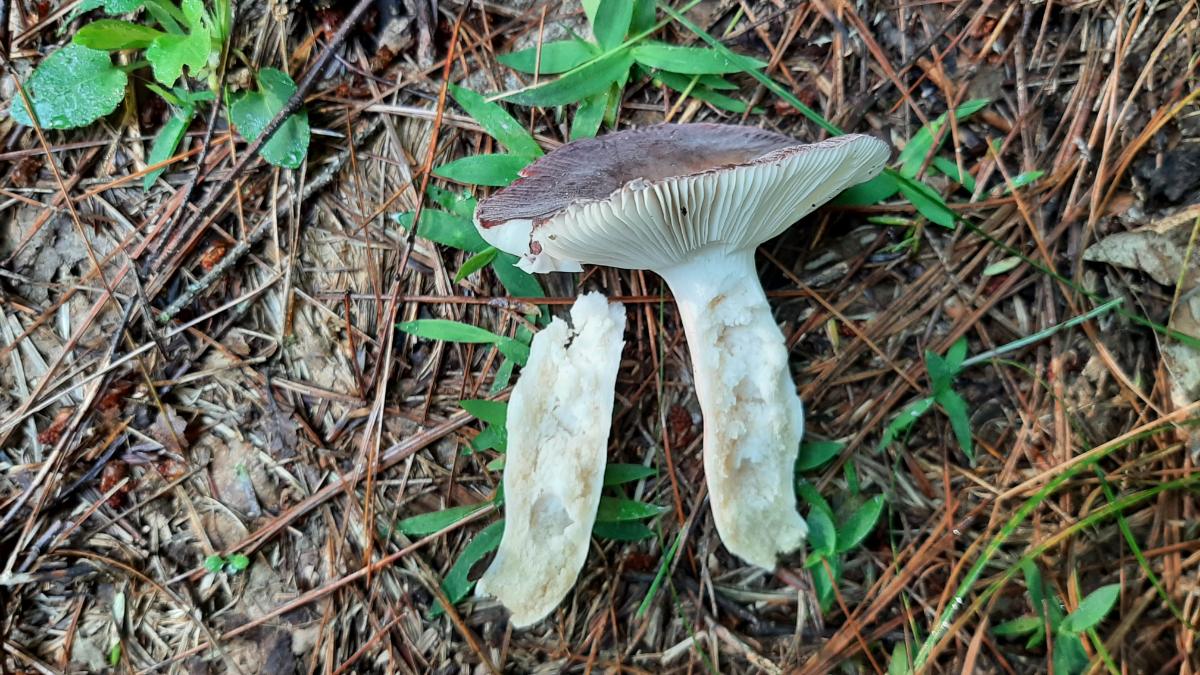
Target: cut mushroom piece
{"x": 692, "y": 202}
{"x": 559, "y": 417}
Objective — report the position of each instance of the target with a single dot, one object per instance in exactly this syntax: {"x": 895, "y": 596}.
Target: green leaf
{"x": 907, "y": 417}
{"x": 426, "y": 524}
{"x": 859, "y": 525}
{"x": 496, "y": 121}
{"x": 214, "y": 563}
{"x": 951, "y": 169}
{"x": 1092, "y": 610}
{"x": 238, "y": 562}
{"x": 872, "y": 192}
{"x": 617, "y": 474}
{"x": 1069, "y": 656}
{"x": 168, "y": 140}
{"x": 960, "y": 421}
{"x": 611, "y": 22}
{"x": 503, "y": 377}
{"x": 492, "y": 412}
{"x": 823, "y": 584}
{"x": 957, "y": 354}
{"x": 72, "y": 87}
{"x": 493, "y": 170}
{"x": 111, "y": 7}
{"x": 557, "y": 57}
{"x": 446, "y": 229}
{"x": 691, "y": 60}
{"x": 461, "y": 204}
{"x": 252, "y": 111}
{"x": 114, "y": 34}
{"x": 822, "y": 535}
{"x": 114, "y": 654}
{"x": 683, "y": 85}
{"x": 815, "y": 454}
{"x": 1019, "y": 626}
{"x": 643, "y": 17}
{"x": 494, "y": 437}
{"x": 457, "y": 584}
{"x": 579, "y": 83}
{"x": 928, "y": 202}
{"x": 169, "y": 53}
{"x": 454, "y": 331}
{"x": 589, "y": 115}
{"x": 1021, "y": 180}
{"x": 626, "y": 531}
{"x": 613, "y": 509}
{"x": 475, "y": 263}
{"x": 518, "y": 282}
{"x": 1001, "y": 266}
{"x": 899, "y": 664}
{"x": 921, "y": 144}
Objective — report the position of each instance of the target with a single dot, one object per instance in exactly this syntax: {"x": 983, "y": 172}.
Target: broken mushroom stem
{"x": 753, "y": 418}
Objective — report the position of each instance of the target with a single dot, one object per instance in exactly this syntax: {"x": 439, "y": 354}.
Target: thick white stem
{"x": 753, "y": 418}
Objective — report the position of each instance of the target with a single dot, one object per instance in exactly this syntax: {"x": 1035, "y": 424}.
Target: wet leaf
{"x": 252, "y": 111}
{"x": 170, "y": 52}
{"x": 71, "y": 87}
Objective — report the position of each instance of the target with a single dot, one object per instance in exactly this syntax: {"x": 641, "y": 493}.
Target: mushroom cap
{"x": 648, "y": 198}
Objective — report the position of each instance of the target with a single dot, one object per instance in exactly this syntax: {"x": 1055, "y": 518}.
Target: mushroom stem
{"x": 753, "y": 418}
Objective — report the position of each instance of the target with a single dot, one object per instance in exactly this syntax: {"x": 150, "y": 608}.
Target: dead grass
{"x": 279, "y": 414}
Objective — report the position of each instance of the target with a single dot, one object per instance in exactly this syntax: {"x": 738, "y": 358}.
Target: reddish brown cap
{"x": 647, "y": 198}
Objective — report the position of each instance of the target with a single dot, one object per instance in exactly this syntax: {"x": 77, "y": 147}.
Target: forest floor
{"x": 214, "y": 440}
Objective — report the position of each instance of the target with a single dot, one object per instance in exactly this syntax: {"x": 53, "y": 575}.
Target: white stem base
{"x": 753, "y": 418}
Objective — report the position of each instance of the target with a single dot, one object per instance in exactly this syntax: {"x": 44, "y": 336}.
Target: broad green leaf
{"x": 941, "y": 371}
{"x": 1001, "y": 266}
{"x": 426, "y": 524}
{"x": 457, "y": 584}
{"x": 622, "y": 531}
{"x": 557, "y": 57}
{"x": 899, "y": 665}
{"x": 907, "y": 417}
{"x": 454, "y": 331}
{"x": 579, "y": 83}
{"x": 815, "y": 454}
{"x": 503, "y": 377}
{"x": 496, "y": 121}
{"x": 643, "y": 17}
{"x": 872, "y": 192}
{"x": 493, "y": 170}
{"x": 492, "y": 412}
{"x": 72, "y": 87}
{"x": 494, "y": 437}
{"x": 169, "y": 53}
{"x": 446, "y": 229}
{"x": 921, "y": 144}
{"x": 928, "y": 202}
{"x": 518, "y": 282}
{"x": 111, "y": 7}
{"x": 589, "y": 115}
{"x": 811, "y": 496}
{"x": 822, "y": 536}
{"x": 214, "y": 564}
{"x": 691, "y": 60}
{"x": 960, "y": 421}
{"x": 613, "y": 509}
{"x": 114, "y": 654}
{"x": 476, "y": 263}
{"x": 611, "y": 22}
{"x": 951, "y": 169}
{"x": 168, "y": 140}
{"x": 1019, "y": 626}
{"x": 957, "y": 354}
{"x": 1069, "y": 656}
{"x": 114, "y": 34}
{"x": 238, "y": 562}
{"x": 617, "y": 474}
{"x": 1092, "y": 609}
{"x": 461, "y": 204}
{"x": 252, "y": 111}
{"x": 852, "y": 532}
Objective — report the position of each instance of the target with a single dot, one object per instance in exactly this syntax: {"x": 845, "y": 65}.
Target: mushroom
{"x": 691, "y": 202}
{"x": 554, "y": 467}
